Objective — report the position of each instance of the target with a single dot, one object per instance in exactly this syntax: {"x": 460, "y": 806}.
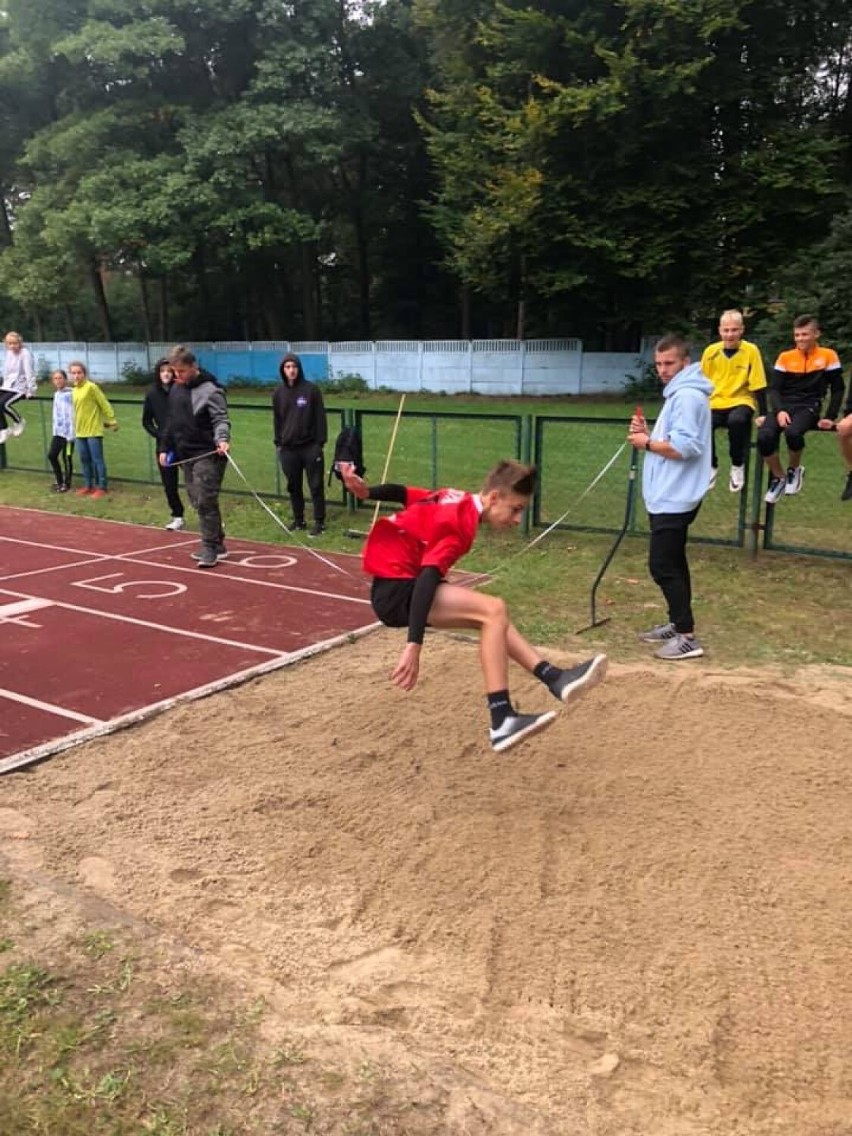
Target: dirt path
{"x": 637, "y": 923}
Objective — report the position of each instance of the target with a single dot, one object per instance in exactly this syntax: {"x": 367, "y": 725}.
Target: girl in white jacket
{"x": 19, "y": 381}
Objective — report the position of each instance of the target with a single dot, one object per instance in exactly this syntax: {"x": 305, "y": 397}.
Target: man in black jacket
{"x": 301, "y": 432}
{"x": 198, "y": 433}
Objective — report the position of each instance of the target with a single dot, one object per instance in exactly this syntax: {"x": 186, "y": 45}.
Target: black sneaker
{"x": 221, "y": 553}
{"x": 206, "y": 558}
{"x": 317, "y": 530}
{"x": 575, "y": 681}
{"x": 846, "y": 495}
{"x": 298, "y": 526}
{"x": 517, "y": 727}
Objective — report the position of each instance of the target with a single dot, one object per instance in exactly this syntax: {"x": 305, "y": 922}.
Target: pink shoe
{"x": 84, "y": 492}
{"x": 99, "y": 492}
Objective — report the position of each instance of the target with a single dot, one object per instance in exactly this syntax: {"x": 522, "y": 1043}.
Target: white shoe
{"x": 4, "y": 434}
{"x": 777, "y": 487}
{"x": 737, "y": 479}
{"x": 17, "y": 428}
{"x": 794, "y": 480}
{"x": 176, "y": 524}
{"x": 714, "y": 473}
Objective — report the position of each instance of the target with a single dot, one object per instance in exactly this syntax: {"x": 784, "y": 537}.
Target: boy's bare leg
{"x": 456, "y": 607}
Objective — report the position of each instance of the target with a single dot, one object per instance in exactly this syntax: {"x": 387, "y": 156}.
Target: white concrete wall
{"x": 481, "y": 366}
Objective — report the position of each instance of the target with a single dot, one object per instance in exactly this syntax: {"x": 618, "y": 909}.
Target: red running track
{"x": 105, "y": 623}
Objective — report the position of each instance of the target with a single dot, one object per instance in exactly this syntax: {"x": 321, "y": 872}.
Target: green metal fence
{"x": 452, "y": 448}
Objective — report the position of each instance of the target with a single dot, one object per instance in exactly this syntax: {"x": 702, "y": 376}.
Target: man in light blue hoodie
{"x": 675, "y": 477}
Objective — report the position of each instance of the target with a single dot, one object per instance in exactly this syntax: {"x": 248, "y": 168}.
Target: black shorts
{"x": 391, "y": 600}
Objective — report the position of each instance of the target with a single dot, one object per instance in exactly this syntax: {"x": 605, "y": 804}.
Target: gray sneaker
{"x": 680, "y": 647}
{"x": 658, "y": 634}
{"x": 575, "y": 681}
{"x": 206, "y": 558}
{"x": 517, "y": 727}
{"x": 221, "y": 553}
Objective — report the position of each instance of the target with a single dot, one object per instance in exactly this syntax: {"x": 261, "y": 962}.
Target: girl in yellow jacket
{"x": 92, "y": 412}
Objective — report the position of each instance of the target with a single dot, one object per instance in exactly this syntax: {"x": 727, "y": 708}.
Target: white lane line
{"x": 160, "y": 627}
{"x": 22, "y": 607}
{"x": 36, "y": 704}
{"x": 135, "y": 558}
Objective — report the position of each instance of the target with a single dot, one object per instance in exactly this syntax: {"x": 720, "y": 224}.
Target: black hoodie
{"x": 298, "y": 411}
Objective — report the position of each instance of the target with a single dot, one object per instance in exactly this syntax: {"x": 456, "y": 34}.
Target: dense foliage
{"x": 421, "y": 168}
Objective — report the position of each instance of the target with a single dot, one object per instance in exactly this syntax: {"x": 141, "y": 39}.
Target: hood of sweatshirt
{"x": 690, "y": 376}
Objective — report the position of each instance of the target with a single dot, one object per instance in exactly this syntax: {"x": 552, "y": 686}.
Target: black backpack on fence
{"x": 347, "y": 448}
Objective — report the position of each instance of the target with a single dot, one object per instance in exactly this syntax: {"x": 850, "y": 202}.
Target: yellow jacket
{"x": 734, "y": 379}
{"x": 91, "y": 410}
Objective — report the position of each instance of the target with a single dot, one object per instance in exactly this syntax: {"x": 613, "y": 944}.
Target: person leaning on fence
{"x": 18, "y": 381}
{"x": 409, "y": 555}
{"x": 800, "y": 380}
{"x": 735, "y": 368}
{"x": 92, "y": 414}
{"x": 197, "y": 433}
{"x": 675, "y": 477}
{"x": 154, "y": 414}
{"x": 300, "y": 432}
{"x": 61, "y": 452}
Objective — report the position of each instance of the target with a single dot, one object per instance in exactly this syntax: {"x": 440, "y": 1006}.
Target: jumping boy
{"x": 409, "y": 554}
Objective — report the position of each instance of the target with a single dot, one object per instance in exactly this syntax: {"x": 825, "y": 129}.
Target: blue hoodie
{"x": 671, "y": 486}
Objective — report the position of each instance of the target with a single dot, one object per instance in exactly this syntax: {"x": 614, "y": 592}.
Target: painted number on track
{"x": 156, "y": 589}
{"x": 262, "y": 560}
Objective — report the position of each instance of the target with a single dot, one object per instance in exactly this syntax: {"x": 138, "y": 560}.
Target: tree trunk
{"x": 70, "y": 329}
{"x": 309, "y": 314}
{"x": 97, "y": 281}
{"x": 464, "y": 298}
{"x": 4, "y": 219}
{"x": 39, "y": 326}
{"x": 164, "y": 309}
{"x": 146, "y": 307}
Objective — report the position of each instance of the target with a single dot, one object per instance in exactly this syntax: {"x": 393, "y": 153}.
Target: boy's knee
{"x": 844, "y": 427}
{"x": 795, "y": 440}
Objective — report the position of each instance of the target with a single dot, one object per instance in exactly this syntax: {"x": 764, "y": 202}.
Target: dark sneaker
{"x": 575, "y": 681}
{"x": 680, "y": 647}
{"x": 206, "y": 558}
{"x": 298, "y": 526}
{"x": 846, "y": 495}
{"x": 221, "y": 553}
{"x": 776, "y": 490}
{"x": 794, "y": 480}
{"x": 517, "y": 727}
{"x": 317, "y": 530}
{"x": 658, "y": 634}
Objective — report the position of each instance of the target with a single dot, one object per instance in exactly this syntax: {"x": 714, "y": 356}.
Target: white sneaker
{"x": 794, "y": 480}
{"x": 4, "y": 434}
{"x": 176, "y": 524}
{"x": 777, "y": 487}
{"x": 737, "y": 479}
{"x": 517, "y": 727}
{"x": 17, "y": 428}
{"x": 714, "y": 473}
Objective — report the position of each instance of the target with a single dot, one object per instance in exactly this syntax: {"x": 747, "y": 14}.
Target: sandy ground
{"x": 638, "y": 922}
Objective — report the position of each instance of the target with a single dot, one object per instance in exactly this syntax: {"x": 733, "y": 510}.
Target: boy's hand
{"x": 356, "y": 485}
{"x": 406, "y": 671}
{"x": 111, "y": 425}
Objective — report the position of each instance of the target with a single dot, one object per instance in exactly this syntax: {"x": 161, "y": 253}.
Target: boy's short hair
{"x": 673, "y": 343}
{"x": 511, "y": 477}
{"x": 804, "y": 321}
{"x": 181, "y": 355}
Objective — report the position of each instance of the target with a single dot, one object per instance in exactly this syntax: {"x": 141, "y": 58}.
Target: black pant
{"x": 737, "y": 421}
{"x": 60, "y": 455}
{"x": 7, "y": 400}
{"x": 307, "y": 460}
{"x": 802, "y": 419}
{"x": 169, "y": 478}
{"x": 668, "y": 565}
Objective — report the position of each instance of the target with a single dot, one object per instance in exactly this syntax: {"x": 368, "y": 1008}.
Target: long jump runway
{"x": 104, "y": 623}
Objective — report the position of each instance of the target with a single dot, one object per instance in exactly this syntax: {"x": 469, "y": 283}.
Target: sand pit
{"x": 638, "y": 922}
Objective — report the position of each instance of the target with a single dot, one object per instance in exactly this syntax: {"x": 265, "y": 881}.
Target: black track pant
{"x": 307, "y": 460}
{"x": 61, "y": 458}
{"x": 802, "y": 419}
{"x": 668, "y": 565}
{"x": 7, "y": 406}
{"x": 737, "y": 421}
